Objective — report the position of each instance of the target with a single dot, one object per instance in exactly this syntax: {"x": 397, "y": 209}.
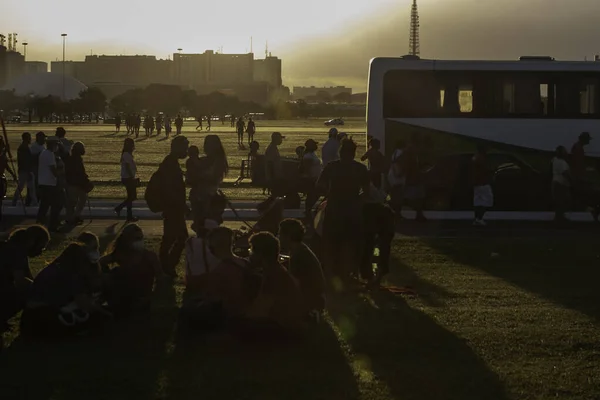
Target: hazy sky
{"x": 320, "y": 41}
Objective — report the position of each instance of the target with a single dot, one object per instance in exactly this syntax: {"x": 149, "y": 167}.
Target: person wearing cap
{"x": 273, "y": 165}
{"x": 310, "y": 169}
{"x": 329, "y": 151}
{"x": 49, "y": 192}
{"x": 175, "y": 231}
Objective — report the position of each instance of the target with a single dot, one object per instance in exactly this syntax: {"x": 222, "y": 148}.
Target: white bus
{"x": 535, "y": 103}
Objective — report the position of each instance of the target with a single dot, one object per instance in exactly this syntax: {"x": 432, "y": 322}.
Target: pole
{"x": 179, "y": 67}
{"x": 64, "y": 36}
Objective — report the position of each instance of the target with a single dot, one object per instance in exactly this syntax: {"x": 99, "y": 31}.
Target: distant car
{"x": 334, "y": 122}
{"x": 516, "y": 185}
{"x": 14, "y": 119}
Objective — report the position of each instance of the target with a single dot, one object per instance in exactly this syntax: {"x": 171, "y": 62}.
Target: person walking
{"x": 561, "y": 184}
{"x": 25, "y": 172}
{"x": 251, "y": 130}
{"x": 118, "y": 123}
{"x": 483, "y": 197}
{"x": 50, "y": 194}
{"x": 129, "y": 179}
{"x": 240, "y": 126}
{"x": 174, "y": 207}
{"x": 199, "y": 120}
{"x": 78, "y": 184}
{"x": 178, "y": 124}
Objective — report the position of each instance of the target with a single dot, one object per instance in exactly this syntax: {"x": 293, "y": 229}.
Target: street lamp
{"x": 64, "y": 37}
{"x": 179, "y": 66}
{"x": 25, "y": 51}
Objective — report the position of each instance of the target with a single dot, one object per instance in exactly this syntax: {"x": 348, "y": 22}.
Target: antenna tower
{"x": 414, "y": 48}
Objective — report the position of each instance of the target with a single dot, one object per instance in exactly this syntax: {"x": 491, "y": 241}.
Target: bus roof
{"x": 381, "y": 65}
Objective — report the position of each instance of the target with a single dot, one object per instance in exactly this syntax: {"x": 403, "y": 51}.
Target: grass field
{"x": 493, "y": 319}
{"x": 103, "y": 149}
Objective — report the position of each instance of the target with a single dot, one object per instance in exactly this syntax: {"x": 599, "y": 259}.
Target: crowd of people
{"x": 134, "y": 122}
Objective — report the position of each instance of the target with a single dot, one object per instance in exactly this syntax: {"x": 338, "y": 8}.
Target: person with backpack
{"x": 15, "y": 274}
{"x": 129, "y": 179}
{"x": 166, "y": 193}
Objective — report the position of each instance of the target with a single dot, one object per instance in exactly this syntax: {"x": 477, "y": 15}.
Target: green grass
{"x": 493, "y": 319}
{"x": 103, "y": 149}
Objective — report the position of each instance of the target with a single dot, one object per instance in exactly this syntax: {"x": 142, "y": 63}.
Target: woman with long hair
{"x": 78, "y": 184}
{"x": 129, "y": 179}
{"x": 205, "y": 175}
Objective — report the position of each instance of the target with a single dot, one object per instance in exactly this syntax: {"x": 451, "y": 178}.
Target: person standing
{"x": 561, "y": 184}
{"x": 36, "y": 149}
{"x": 344, "y": 181}
{"x": 78, "y": 184}
{"x": 167, "y": 125}
{"x": 329, "y": 151}
{"x": 310, "y": 169}
{"x": 129, "y": 179}
{"x": 174, "y": 206}
{"x": 251, "y": 129}
{"x": 240, "y": 126}
{"x": 397, "y": 179}
{"x": 118, "y": 123}
{"x": 50, "y": 194}
{"x": 159, "y": 124}
{"x": 274, "y": 166}
{"x": 483, "y": 197}
{"x": 208, "y": 123}
{"x": 178, "y": 124}
{"x": 578, "y": 167}
{"x": 25, "y": 172}
{"x": 377, "y": 164}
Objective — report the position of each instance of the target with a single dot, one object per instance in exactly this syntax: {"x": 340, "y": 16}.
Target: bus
{"x": 533, "y": 104}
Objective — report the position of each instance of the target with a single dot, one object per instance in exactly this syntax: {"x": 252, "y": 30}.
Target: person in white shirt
{"x": 129, "y": 179}
{"x": 561, "y": 184}
{"x": 49, "y": 191}
{"x": 330, "y": 149}
{"x": 310, "y": 169}
{"x": 273, "y": 165}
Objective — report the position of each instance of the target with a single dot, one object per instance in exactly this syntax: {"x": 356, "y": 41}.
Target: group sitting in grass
{"x": 80, "y": 292}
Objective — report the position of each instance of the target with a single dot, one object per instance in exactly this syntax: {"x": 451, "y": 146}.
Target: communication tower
{"x": 414, "y": 48}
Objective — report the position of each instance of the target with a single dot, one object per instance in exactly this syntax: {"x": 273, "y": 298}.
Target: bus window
{"x": 465, "y": 98}
{"x": 442, "y": 94}
{"x": 544, "y": 98}
{"x": 587, "y": 97}
{"x": 509, "y": 98}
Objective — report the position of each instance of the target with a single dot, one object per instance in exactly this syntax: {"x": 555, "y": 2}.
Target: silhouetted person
{"x": 36, "y": 149}
{"x": 233, "y": 120}
{"x": 561, "y": 184}
{"x": 159, "y": 124}
{"x": 25, "y": 166}
{"x": 240, "y": 126}
{"x": 274, "y": 166}
{"x": 49, "y": 190}
{"x": 129, "y": 179}
{"x": 78, "y": 184}
{"x": 208, "y": 123}
{"x": 310, "y": 170}
{"x": 251, "y": 129}
{"x": 330, "y": 149}
{"x": 483, "y": 197}
{"x": 199, "y": 120}
{"x": 377, "y": 164}
{"x": 178, "y": 124}
{"x": 4, "y": 167}
{"x": 118, "y": 123}
{"x": 168, "y": 125}
{"x": 174, "y": 206}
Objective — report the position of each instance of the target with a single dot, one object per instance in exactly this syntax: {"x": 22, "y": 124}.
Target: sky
{"x": 321, "y": 42}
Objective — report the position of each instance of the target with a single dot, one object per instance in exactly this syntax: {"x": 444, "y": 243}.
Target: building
{"x": 35, "y": 67}
{"x": 12, "y": 65}
{"x": 319, "y": 93}
{"x": 210, "y": 68}
{"x": 74, "y": 69}
{"x": 268, "y": 70}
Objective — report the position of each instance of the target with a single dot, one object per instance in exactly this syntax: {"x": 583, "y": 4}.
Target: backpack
{"x": 154, "y": 192}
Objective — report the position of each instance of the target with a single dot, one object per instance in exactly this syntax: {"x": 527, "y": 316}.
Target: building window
{"x": 587, "y": 96}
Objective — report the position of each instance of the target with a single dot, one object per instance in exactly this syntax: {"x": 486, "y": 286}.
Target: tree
{"x": 90, "y": 101}
{"x": 162, "y": 98}
{"x": 323, "y": 96}
{"x": 343, "y": 97}
{"x": 129, "y": 102}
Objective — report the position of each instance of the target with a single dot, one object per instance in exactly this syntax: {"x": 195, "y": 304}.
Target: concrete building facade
{"x": 306, "y": 93}
{"x": 12, "y": 65}
{"x": 35, "y": 67}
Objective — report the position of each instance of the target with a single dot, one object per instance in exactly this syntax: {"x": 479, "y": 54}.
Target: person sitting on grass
{"x": 232, "y": 282}
{"x": 15, "y": 275}
{"x": 60, "y": 301}
{"x": 129, "y": 285}
{"x": 198, "y": 260}
{"x": 303, "y": 265}
{"x": 279, "y": 307}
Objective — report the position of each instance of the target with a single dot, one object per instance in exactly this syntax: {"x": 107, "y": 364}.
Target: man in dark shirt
{"x": 304, "y": 265}
{"x": 344, "y": 181}
{"x": 175, "y": 208}
{"x": 25, "y": 171}
{"x": 580, "y": 186}
{"x": 377, "y": 163}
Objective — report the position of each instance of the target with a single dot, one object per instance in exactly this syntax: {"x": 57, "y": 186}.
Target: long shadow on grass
{"x": 219, "y": 366}
{"x": 409, "y": 352}
{"x": 124, "y": 363}
{"x": 563, "y": 270}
